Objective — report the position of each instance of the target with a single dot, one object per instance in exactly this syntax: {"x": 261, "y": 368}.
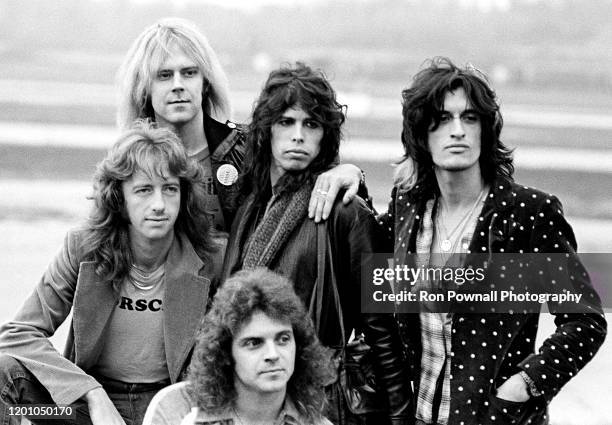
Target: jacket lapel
{"x": 94, "y": 302}
{"x": 234, "y": 246}
{"x": 185, "y": 302}
{"x": 491, "y": 229}
{"x": 409, "y": 216}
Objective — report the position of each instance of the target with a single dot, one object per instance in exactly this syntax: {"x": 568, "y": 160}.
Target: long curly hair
{"x": 212, "y": 369}
{"x": 286, "y": 87}
{"x": 421, "y": 107}
{"x": 147, "y": 53}
{"x": 151, "y": 150}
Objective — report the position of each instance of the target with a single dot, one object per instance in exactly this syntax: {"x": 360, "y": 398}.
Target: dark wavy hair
{"x": 421, "y": 107}
{"x": 289, "y": 86}
{"x": 212, "y": 368}
{"x": 152, "y": 150}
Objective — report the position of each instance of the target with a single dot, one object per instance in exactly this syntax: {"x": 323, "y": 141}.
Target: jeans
{"x": 19, "y": 386}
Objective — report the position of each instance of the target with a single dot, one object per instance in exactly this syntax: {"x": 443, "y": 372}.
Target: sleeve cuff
{"x": 531, "y": 386}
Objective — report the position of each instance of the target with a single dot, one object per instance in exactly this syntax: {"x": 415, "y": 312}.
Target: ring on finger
{"x": 322, "y": 192}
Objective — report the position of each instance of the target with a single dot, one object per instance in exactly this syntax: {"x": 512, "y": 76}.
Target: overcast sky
{"x": 253, "y": 4}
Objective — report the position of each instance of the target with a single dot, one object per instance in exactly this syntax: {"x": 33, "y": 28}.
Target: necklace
{"x": 449, "y": 241}
{"x": 143, "y": 280}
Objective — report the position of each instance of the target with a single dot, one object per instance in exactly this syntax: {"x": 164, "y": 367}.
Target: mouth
{"x": 271, "y": 371}
{"x": 178, "y": 102}
{"x": 299, "y": 152}
{"x": 458, "y": 146}
{"x": 157, "y": 220}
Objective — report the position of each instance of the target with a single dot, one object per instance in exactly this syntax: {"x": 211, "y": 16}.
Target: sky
{"x": 254, "y": 4}
{"x": 238, "y": 4}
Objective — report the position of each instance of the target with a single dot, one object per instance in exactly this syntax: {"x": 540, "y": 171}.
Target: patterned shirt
{"x": 433, "y": 400}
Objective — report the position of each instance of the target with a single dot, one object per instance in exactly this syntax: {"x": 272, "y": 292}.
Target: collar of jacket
{"x": 289, "y": 415}
{"x": 182, "y": 258}
{"x": 217, "y": 132}
{"x": 500, "y": 198}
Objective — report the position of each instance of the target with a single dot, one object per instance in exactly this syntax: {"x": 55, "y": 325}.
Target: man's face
{"x": 152, "y": 204}
{"x": 296, "y": 141}
{"x": 264, "y": 355}
{"x": 176, "y": 91}
{"x": 455, "y": 144}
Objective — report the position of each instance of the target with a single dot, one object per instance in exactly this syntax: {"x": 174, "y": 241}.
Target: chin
{"x": 179, "y": 119}
{"x": 158, "y": 235}
{"x": 274, "y": 387}
{"x": 297, "y": 169}
{"x": 456, "y": 166}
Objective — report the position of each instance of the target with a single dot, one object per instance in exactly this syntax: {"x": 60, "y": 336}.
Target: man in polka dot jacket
{"x": 454, "y": 194}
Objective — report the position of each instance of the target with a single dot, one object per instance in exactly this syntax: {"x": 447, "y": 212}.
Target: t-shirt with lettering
{"x": 133, "y": 349}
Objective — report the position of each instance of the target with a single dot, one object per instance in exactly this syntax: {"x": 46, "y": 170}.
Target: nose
{"x": 158, "y": 203}
{"x": 177, "y": 82}
{"x": 271, "y": 353}
{"x": 298, "y": 135}
{"x": 457, "y": 131}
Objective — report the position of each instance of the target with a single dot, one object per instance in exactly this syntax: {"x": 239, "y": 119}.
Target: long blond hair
{"x": 150, "y": 49}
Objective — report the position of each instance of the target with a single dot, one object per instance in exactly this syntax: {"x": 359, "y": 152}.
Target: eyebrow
{"x": 141, "y": 185}
{"x": 465, "y": 111}
{"x": 180, "y": 66}
{"x": 283, "y": 332}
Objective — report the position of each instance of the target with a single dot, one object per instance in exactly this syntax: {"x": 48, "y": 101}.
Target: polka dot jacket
{"x": 486, "y": 349}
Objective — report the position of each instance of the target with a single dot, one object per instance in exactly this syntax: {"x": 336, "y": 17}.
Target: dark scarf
{"x": 279, "y": 222}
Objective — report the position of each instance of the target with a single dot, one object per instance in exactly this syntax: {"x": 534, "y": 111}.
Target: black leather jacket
{"x": 227, "y": 144}
{"x": 353, "y": 230}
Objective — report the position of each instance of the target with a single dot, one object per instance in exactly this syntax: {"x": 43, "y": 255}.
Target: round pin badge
{"x": 227, "y": 174}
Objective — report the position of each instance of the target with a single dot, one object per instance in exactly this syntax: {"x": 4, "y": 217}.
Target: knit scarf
{"x": 274, "y": 229}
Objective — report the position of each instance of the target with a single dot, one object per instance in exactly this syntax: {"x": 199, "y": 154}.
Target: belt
{"x": 116, "y": 386}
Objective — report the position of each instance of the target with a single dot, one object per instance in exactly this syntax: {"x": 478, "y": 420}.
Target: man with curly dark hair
{"x": 257, "y": 360}
{"x": 455, "y": 204}
{"x": 295, "y": 135}
{"x": 136, "y": 278}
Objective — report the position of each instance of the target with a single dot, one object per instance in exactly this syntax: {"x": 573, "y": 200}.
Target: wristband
{"x": 531, "y": 386}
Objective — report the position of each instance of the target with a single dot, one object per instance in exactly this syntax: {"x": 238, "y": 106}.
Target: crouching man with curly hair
{"x": 257, "y": 361}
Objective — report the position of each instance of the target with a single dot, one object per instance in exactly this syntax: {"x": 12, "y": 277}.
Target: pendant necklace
{"x": 446, "y": 244}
